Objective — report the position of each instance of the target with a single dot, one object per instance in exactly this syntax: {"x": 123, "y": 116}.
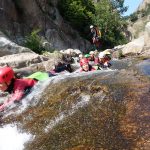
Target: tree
{"x": 108, "y": 18}
{"x": 33, "y": 42}
{"x": 78, "y": 12}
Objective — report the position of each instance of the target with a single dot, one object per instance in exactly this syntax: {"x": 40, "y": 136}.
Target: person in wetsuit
{"x": 17, "y": 88}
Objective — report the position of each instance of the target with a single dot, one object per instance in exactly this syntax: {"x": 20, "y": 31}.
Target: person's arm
{"x": 96, "y": 61}
{"x": 14, "y": 97}
{"x": 18, "y": 93}
{"x": 81, "y": 70}
{"x": 93, "y": 69}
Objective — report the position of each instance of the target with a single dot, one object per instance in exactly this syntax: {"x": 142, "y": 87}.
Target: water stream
{"x": 144, "y": 67}
{"x": 97, "y": 110}
{"x": 12, "y": 139}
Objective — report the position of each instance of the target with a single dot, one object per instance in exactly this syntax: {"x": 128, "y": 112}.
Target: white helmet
{"x": 101, "y": 55}
{"x": 91, "y": 52}
{"x": 107, "y": 52}
{"x": 80, "y": 56}
{"x": 91, "y": 26}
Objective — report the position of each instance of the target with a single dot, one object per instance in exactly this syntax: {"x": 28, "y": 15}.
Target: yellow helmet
{"x": 107, "y": 52}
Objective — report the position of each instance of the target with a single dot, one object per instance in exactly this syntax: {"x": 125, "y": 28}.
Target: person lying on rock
{"x": 103, "y": 60}
{"x": 92, "y": 56}
{"x": 60, "y": 67}
{"x": 18, "y": 88}
{"x": 85, "y": 66}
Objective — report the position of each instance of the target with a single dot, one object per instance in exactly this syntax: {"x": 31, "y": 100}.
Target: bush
{"x": 134, "y": 17}
{"x": 111, "y": 24}
{"x": 121, "y": 55}
{"x": 78, "y": 12}
{"x": 33, "y": 42}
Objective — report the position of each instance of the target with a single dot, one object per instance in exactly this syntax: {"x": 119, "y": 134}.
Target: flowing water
{"x": 145, "y": 67}
{"x": 11, "y": 139}
{"x": 100, "y": 110}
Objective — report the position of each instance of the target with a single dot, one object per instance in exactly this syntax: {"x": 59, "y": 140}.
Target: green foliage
{"x": 78, "y": 12}
{"x": 141, "y": 13}
{"x": 106, "y": 14}
{"x": 18, "y": 6}
{"x": 108, "y": 18}
{"x": 33, "y": 42}
{"x": 121, "y": 55}
{"x": 118, "y": 5}
{"x": 134, "y": 17}
{"x": 146, "y": 11}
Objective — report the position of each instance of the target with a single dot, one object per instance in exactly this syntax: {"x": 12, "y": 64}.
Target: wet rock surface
{"x": 99, "y": 110}
{"x": 144, "y": 67}
{"x": 21, "y": 60}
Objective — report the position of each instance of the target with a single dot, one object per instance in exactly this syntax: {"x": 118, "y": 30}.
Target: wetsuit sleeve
{"x": 19, "y": 88}
{"x": 17, "y": 95}
{"x": 96, "y": 61}
{"x": 14, "y": 97}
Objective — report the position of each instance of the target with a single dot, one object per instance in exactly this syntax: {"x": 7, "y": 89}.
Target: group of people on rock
{"x": 18, "y": 87}
{"x": 94, "y": 61}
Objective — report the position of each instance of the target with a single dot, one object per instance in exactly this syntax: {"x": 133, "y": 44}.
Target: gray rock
{"x": 8, "y": 47}
{"x": 21, "y": 60}
{"x": 147, "y": 34}
{"x": 134, "y": 47}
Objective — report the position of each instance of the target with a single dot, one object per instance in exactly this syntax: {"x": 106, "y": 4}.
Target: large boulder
{"x": 21, "y": 60}
{"x": 19, "y": 18}
{"x": 134, "y": 47}
{"x": 147, "y": 35}
{"x": 34, "y": 63}
{"x": 72, "y": 52}
{"x": 8, "y": 47}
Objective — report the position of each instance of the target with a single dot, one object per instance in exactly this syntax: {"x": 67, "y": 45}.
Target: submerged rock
{"x": 94, "y": 110}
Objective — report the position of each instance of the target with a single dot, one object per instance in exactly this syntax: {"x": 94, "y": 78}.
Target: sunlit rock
{"x": 147, "y": 35}
{"x": 8, "y": 47}
{"x": 134, "y": 47}
{"x": 21, "y": 60}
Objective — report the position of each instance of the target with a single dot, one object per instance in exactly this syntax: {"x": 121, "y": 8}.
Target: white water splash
{"x": 31, "y": 99}
{"x": 60, "y": 77}
{"x": 84, "y": 101}
{"x": 11, "y": 139}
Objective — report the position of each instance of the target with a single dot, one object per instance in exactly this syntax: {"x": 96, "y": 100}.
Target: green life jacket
{"x": 87, "y": 55}
{"x": 40, "y": 76}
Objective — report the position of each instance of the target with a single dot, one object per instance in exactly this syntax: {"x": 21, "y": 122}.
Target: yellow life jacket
{"x": 98, "y": 32}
